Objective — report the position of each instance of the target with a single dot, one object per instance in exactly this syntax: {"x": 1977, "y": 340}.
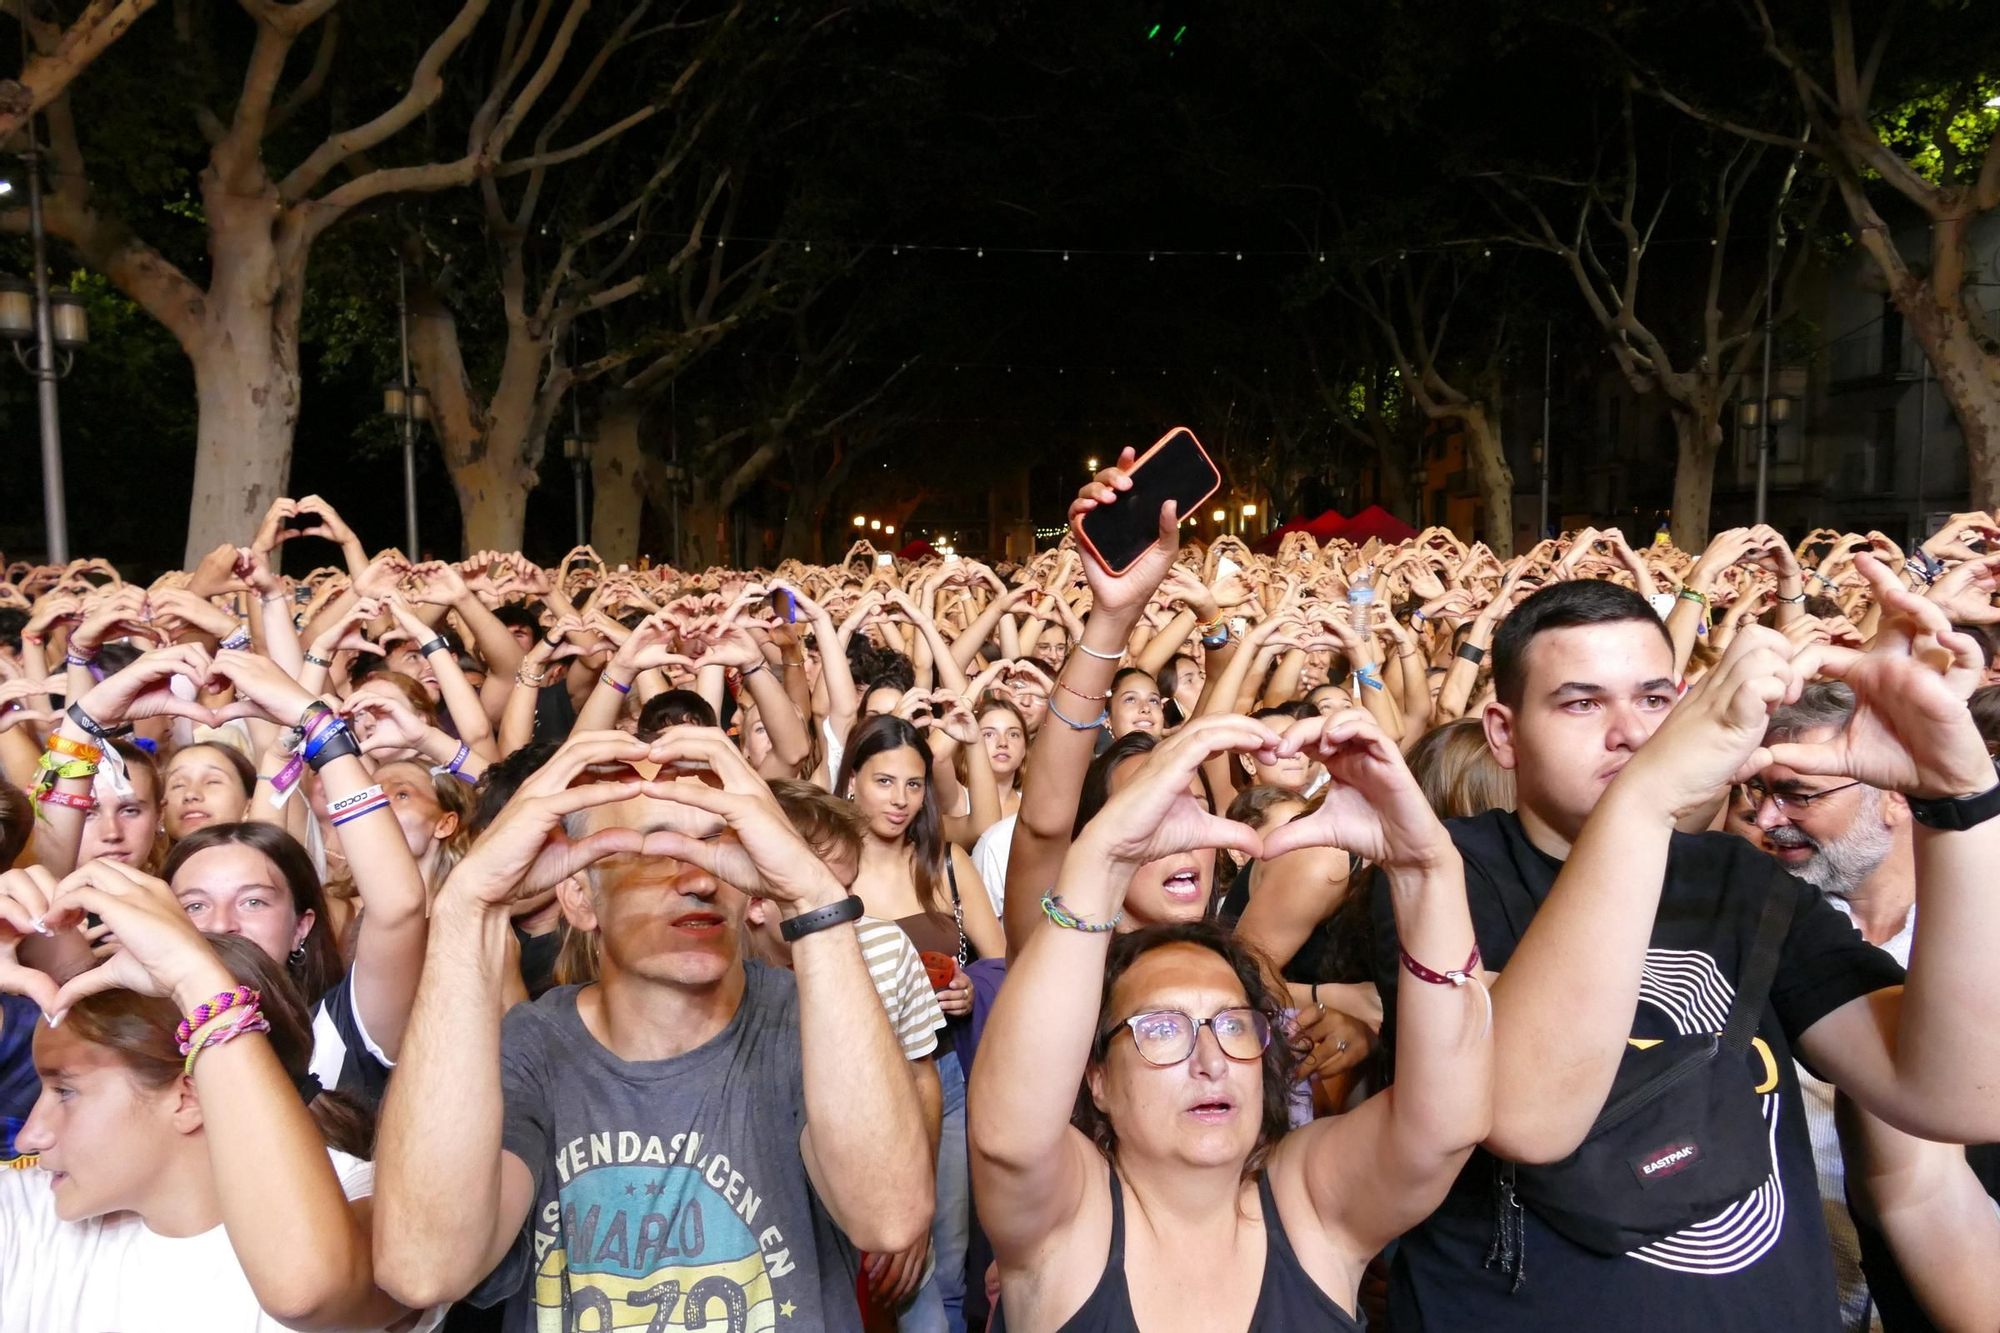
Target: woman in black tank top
{"x": 1166, "y": 1193}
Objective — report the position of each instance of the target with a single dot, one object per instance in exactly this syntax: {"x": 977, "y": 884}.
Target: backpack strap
{"x": 1754, "y": 985}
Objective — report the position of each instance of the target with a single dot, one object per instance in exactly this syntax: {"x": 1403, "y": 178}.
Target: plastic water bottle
{"x": 1361, "y": 596}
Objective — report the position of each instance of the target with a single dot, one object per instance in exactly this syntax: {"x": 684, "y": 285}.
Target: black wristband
{"x": 1472, "y": 653}
{"x": 820, "y": 918}
{"x": 341, "y": 745}
{"x": 89, "y": 723}
{"x": 436, "y": 645}
{"x": 1956, "y": 813}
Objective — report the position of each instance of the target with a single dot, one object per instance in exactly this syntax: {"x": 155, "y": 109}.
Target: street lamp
{"x": 860, "y": 521}
{"x": 407, "y": 402}
{"x": 1091, "y": 464}
{"x": 889, "y": 528}
{"x": 49, "y": 331}
{"x": 875, "y": 524}
{"x": 577, "y": 450}
{"x": 1219, "y": 515}
{"x": 1753, "y": 417}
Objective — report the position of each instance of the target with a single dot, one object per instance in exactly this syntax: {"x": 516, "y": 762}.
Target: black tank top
{"x": 1288, "y": 1298}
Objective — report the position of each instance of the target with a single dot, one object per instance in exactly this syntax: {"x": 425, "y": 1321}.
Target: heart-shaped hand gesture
{"x": 1371, "y": 805}
{"x": 145, "y": 688}
{"x": 1154, "y": 814}
{"x": 160, "y": 948}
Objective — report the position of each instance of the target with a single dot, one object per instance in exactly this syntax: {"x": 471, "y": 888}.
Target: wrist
{"x": 205, "y": 979}
{"x": 824, "y": 892}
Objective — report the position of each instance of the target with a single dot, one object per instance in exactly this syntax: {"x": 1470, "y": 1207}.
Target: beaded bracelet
{"x": 232, "y": 998}
{"x": 225, "y": 1028}
{"x": 1052, "y": 907}
{"x": 1087, "y": 698}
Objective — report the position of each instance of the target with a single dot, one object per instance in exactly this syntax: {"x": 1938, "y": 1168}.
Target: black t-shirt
{"x": 1763, "y": 1263}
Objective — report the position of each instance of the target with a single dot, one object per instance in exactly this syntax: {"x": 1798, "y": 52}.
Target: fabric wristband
{"x": 338, "y": 744}
{"x": 1471, "y": 652}
{"x": 820, "y": 918}
{"x": 346, "y": 803}
{"x": 1053, "y": 909}
{"x": 238, "y": 638}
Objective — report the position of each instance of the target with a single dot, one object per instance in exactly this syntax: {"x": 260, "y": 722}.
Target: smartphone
{"x": 1226, "y": 568}
{"x": 782, "y": 603}
{"x": 885, "y": 559}
{"x": 1176, "y": 468}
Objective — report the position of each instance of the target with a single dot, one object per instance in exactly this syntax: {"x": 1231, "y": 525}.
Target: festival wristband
{"x": 89, "y": 754}
{"x": 1471, "y": 653}
{"x": 346, "y": 803}
{"x": 234, "y": 997}
{"x": 1053, "y": 909}
{"x": 820, "y": 918}
{"x": 63, "y": 798}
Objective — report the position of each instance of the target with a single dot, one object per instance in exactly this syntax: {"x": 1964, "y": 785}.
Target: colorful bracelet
{"x": 1087, "y": 698}
{"x": 226, "y": 1028}
{"x": 238, "y": 638}
{"x": 232, "y": 998}
{"x": 1052, "y": 907}
{"x": 74, "y": 802}
{"x": 89, "y": 754}
{"x": 321, "y": 734}
{"x": 616, "y": 684}
{"x": 1073, "y": 724}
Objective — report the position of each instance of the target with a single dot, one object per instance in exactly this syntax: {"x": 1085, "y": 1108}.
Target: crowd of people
{"x": 1391, "y": 935}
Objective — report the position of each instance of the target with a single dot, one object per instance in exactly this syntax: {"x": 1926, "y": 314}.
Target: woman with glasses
{"x": 1176, "y": 1198}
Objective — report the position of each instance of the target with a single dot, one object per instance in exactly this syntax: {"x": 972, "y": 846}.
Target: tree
{"x": 611, "y": 247}
{"x": 1411, "y": 301}
{"x": 240, "y": 328}
{"x": 61, "y": 54}
{"x": 1920, "y": 124}
{"x": 1700, "y": 339}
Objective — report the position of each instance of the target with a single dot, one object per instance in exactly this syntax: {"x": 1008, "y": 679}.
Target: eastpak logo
{"x": 1660, "y": 1163}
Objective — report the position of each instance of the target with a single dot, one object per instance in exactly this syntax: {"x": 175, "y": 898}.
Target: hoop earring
{"x": 297, "y": 956}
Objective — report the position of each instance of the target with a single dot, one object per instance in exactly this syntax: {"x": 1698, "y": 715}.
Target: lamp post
{"x": 577, "y": 450}
{"x": 54, "y": 320}
{"x": 409, "y": 404}
{"x": 1764, "y": 418}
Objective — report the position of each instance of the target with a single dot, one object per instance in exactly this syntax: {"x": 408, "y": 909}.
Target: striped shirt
{"x": 903, "y": 984}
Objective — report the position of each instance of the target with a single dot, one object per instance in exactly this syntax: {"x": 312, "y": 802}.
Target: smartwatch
{"x": 1957, "y": 813}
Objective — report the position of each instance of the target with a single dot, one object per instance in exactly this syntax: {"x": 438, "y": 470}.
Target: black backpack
{"x": 1681, "y": 1136}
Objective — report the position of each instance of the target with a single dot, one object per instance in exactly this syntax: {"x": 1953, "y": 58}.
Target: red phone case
{"x": 1091, "y": 546}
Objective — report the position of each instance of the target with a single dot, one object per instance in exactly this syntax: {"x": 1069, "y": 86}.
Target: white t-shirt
{"x": 989, "y": 858}
{"x": 113, "y": 1275}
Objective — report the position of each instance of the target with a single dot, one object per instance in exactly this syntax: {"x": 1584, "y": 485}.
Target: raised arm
{"x": 1052, "y": 777}
{"x": 449, "y": 1200}
{"x": 389, "y": 954}
{"x": 1921, "y": 1057}
{"x": 1563, "y": 1005}
{"x": 1029, "y": 1165}
{"x": 1379, "y": 1170}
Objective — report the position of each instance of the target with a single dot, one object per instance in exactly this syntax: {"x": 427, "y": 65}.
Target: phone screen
{"x": 885, "y": 558}
{"x": 1227, "y": 568}
{"x": 1177, "y": 469}
{"x": 782, "y": 603}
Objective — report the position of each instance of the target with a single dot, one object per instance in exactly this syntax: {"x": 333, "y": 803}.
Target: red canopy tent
{"x": 916, "y": 550}
{"x": 1326, "y": 525}
{"x": 1378, "y": 523}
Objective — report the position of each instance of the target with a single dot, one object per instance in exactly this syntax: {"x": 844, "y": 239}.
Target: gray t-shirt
{"x": 668, "y": 1193}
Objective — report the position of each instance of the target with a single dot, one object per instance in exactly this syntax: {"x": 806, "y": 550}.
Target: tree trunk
{"x": 1698, "y": 437}
{"x": 704, "y": 532}
{"x": 617, "y": 478}
{"x": 495, "y": 506}
{"x": 246, "y": 368}
{"x": 1968, "y": 377}
{"x": 1496, "y": 479}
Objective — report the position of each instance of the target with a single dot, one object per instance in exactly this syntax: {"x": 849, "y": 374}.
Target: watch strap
{"x": 1957, "y": 813}
{"x": 820, "y": 918}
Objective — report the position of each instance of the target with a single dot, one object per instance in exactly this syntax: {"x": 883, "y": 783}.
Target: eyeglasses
{"x": 1797, "y": 803}
{"x": 1168, "y": 1036}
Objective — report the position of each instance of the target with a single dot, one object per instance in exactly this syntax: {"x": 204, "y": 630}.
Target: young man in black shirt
{"x": 1641, "y": 934}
